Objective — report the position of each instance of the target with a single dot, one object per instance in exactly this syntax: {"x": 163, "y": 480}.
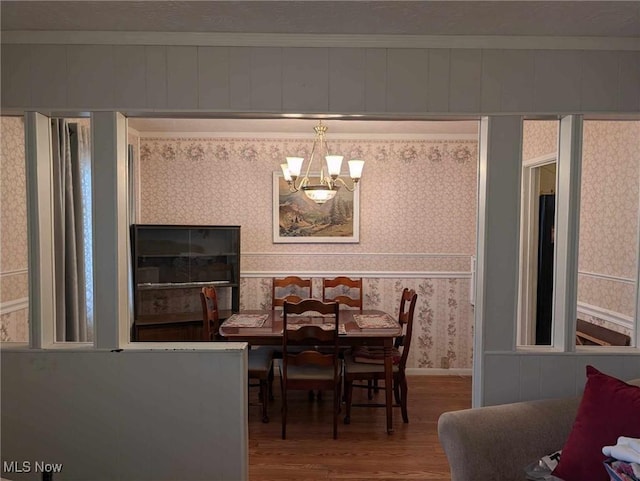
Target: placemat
{"x": 246, "y": 320}
{"x": 374, "y": 321}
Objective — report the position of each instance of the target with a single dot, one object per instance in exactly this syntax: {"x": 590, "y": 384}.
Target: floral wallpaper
{"x": 539, "y": 137}
{"x": 13, "y": 234}
{"x": 608, "y": 210}
{"x": 442, "y": 329}
{"x": 417, "y": 215}
{"x": 229, "y": 181}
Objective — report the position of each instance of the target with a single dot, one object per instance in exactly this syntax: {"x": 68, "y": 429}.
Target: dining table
{"x": 356, "y": 328}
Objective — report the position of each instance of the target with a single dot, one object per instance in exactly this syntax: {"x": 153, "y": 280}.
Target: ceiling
{"x": 551, "y": 18}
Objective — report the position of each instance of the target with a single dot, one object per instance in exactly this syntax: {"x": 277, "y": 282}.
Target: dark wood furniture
{"x": 588, "y": 334}
{"x": 344, "y": 290}
{"x": 210, "y": 314}
{"x": 260, "y": 360}
{"x": 186, "y": 326}
{"x": 271, "y": 334}
{"x": 291, "y": 288}
{"x": 171, "y": 264}
{"x": 371, "y": 366}
{"x": 308, "y": 368}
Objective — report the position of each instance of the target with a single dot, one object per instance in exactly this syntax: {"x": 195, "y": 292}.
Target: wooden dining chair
{"x": 309, "y": 368}
{"x": 210, "y": 314}
{"x": 346, "y": 291}
{"x": 291, "y": 288}
{"x": 260, "y": 370}
{"x": 367, "y": 364}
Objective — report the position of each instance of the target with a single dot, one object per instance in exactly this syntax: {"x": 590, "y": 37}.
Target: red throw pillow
{"x": 609, "y": 408}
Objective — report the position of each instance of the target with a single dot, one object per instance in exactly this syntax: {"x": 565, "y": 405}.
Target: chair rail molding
{"x": 613, "y": 317}
{"x": 363, "y": 274}
{"x": 607, "y": 277}
{"x": 14, "y": 305}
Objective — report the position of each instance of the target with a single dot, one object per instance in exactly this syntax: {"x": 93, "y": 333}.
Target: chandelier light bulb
{"x": 355, "y": 169}
{"x": 295, "y": 165}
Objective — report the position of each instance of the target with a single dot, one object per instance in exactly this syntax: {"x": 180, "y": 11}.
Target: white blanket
{"x": 626, "y": 449}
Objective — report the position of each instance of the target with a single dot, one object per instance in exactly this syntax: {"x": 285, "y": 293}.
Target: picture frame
{"x": 298, "y": 219}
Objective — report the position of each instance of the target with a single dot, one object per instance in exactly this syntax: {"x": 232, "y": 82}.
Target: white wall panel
{"x": 213, "y": 78}
{"x": 497, "y": 247}
{"x": 156, "y": 76}
{"x": 182, "y": 78}
{"x": 346, "y": 79}
{"x": 629, "y": 92}
{"x": 135, "y": 415}
{"x": 439, "y": 70}
{"x": 493, "y": 70}
{"x": 560, "y": 374}
{"x": 556, "y": 382}
{"x": 507, "y": 81}
{"x": 110, "y": 229}
{"x": 240, "y": 78}
{"x": 529, "y": 370}
{"x": 266, "y": 79}
{"x": 566, "y": 238}
{"x": 49, "y": 76}
{"x": 375, "y": 81}
{"x": 90, "y": 76}
{"x": 600, "y": 81}
{"x": 465, "y": 80}
{"x": 503, "y": 384}
{"x": 557, "y": 79}
{"x": 16, "y": 75}
{"x": 39, "y": 178}
{"x": 130, "y": 78}
{"x": 622, "y": 367}
{"x": 310, "y": 79}
{"x": 407, "y": 80}
{"x": 305, "y": 80}
{"x": 501, "y": 231}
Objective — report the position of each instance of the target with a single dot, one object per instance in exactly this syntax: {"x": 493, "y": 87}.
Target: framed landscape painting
{"x": 298, "y": 219}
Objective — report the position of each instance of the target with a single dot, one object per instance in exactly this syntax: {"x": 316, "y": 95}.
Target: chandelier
{"x": 328, "y": 185}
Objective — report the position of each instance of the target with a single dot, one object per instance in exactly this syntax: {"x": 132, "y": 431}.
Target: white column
{"x": 110, "y": 229}
{"x": 499, "y": 174}
{"x": 39, "y": 171}
{"x": 566, "y": 235}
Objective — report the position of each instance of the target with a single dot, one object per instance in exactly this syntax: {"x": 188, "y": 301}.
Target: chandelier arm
{"x": 346, "y": 186}
{"x": 306, "y": 174}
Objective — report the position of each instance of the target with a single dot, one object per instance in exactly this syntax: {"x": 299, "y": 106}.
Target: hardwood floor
{"x": 363, "y": 450}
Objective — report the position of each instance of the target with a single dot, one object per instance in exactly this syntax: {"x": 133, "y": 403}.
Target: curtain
{"x": 71, "y": 207}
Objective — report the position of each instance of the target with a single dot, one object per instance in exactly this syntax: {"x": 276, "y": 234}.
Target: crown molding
{"x": 511, "y": 42}
{"x": 169, "y": 135}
